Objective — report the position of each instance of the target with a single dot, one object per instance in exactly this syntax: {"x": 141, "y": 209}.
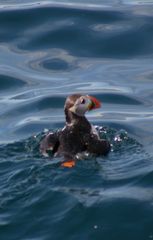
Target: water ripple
{"x": 48, "y": 51}
{"x": 7, "y": 82}
{"x": 59, "y": 33}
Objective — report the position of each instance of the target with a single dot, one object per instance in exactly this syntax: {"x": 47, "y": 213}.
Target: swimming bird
{"x": 78, "y": 135}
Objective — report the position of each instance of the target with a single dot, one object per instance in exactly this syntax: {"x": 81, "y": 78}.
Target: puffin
{"x": 78, "y": 134}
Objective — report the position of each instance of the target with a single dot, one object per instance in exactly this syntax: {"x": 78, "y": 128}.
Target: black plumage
{"x": 77, "y": 135}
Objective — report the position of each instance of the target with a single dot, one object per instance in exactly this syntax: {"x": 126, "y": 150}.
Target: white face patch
{"x": 81, "y": 106}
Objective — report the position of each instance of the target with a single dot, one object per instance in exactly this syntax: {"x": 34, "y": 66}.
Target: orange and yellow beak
{"x": 94, "y": 103}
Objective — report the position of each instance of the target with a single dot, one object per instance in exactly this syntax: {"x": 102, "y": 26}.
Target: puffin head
{"x": 78, "y": 105}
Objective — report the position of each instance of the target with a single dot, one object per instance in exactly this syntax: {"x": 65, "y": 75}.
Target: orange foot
{"x": 68, "y": 164}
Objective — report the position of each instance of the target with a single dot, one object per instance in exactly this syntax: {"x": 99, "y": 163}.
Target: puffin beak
{"x": 94, "y": 103}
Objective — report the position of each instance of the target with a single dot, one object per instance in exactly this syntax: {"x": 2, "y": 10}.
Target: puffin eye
{"x": 83, "y": 101}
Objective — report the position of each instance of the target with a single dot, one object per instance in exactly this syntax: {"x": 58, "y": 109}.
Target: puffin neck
{"x": 73, "y": 119}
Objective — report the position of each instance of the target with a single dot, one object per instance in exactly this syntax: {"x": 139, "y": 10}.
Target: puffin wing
{"x": 49, "y": 143}
{"x": 95, "y": 145}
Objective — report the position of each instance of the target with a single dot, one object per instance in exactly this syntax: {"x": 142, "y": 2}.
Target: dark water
{"x": 49, "y": 50}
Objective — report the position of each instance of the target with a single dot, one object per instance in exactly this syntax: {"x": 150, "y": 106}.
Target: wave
{"x": 96, "y": 33}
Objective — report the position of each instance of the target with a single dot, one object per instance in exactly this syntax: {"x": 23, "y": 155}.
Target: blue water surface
{"x": 48, "y": 50}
